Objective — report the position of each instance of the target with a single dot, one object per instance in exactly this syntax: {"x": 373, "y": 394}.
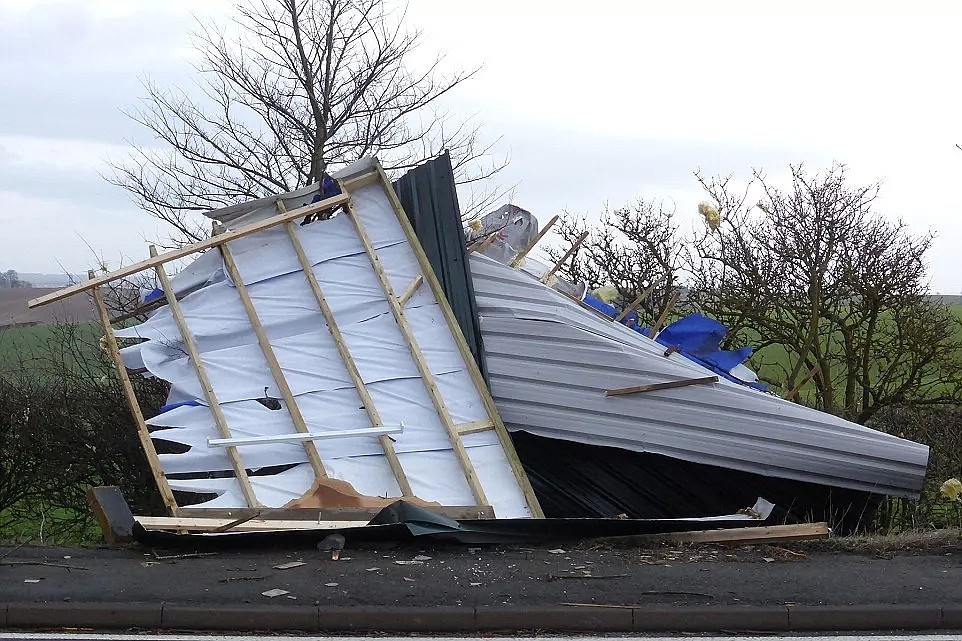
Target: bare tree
{"x": 633, "y": 248}
{"x": 297, "y": 89}
{"x": 818, "y": 281}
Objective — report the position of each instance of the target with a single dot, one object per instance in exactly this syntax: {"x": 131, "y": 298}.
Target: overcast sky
{"x": 595, "y": 102}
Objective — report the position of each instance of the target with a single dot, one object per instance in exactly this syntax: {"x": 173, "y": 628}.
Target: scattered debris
{"x": 332, "y": 584}
{"x": 557, "y": 551}
{"x": 421, "y": 557}
{"x": 288, "y": 566}
{"x": 32, "y": 580}
{"x": 275, "y": 592}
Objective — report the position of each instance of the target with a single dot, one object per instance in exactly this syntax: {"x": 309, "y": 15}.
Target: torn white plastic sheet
{"x": 312, "y": 366}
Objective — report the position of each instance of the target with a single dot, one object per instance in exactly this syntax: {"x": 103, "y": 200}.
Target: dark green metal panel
{"x": 430, "y": 200}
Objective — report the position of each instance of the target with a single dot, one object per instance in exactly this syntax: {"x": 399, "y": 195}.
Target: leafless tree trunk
{"x": 295, "y": 89}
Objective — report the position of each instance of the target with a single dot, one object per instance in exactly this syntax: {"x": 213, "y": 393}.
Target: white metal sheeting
{"x": 550, "y": 361}
{"x": 312, "y": 366}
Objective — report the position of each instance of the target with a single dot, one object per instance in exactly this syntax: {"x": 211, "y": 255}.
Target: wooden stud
{"x": 798, "y": 386}
{"x": 181, "y": 252}
{"x": 480, "y": 246}
{"x": 507, "y": 445}
{"x": 142, "y": 432}
{"x": 571, "y": 250}
{"x": 664, "y": 315}
{"x": 685, "y": 382}
{"x": 524, "y": 252}
{"x": 584, "y": 305}
{"x": 334, "y": 513}
{"x": 272, "y": 363}
{"x": 193, "y": 355}
{"x": 475, "y": 426}
{"x": 230, "y": 526}
{"x": 201, "y": 524}
{"x": 638, "y": 301}
{"x": 752, "y": 535}
{"x": 387, "y": 445}
{"x": 460, "y": 452}
{"x": 410, "y": 290}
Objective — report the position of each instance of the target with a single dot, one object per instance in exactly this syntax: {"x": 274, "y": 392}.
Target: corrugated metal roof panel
{"x": 550, "y": 361}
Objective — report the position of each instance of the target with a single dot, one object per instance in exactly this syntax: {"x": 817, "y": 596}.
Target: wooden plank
{"x": 193, "y": 355}
{"x": 798, "y": 386}
{"x": 506, "y": 444}
{"x": 474, "y": 427}
{"x": 387, "y": 445}
{"x": 460, "y": 512}
{"x": 639, "y": 300}
{"x": 410, "y": 290}
{"x": 561, "y": 261}
{"x": 656, "y": 328}
{"x": 480, "y": 246}
{"x": 187, "y": 250}
{"x": 313, "y": 456}
{"x": 427, "y": 377}
{"x": 685, "y": 382}
{"x": 751, "y": 535}
{"x": 200, "y": 524}
{"x": 524, "y": 252}
{"x": 132, "y": 404}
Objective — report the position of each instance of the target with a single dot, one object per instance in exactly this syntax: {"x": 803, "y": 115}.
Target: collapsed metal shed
{"x": 321, "y": 366}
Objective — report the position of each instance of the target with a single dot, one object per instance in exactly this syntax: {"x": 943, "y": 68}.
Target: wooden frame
{"x": 236, "y": 518}
{"x": 502, "y": 433}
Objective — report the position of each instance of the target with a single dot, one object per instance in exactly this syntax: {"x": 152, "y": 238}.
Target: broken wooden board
{"x": 733, "y": 536}
{"x": 194, "y": 524}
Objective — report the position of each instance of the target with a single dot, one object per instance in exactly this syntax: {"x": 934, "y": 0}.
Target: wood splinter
{"x": 685, "y": 382}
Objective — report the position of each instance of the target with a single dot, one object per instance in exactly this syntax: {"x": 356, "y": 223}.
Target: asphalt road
{"x": 501, "y": 576}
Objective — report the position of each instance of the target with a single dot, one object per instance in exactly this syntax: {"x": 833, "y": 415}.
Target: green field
{"x": 40, "y": 349}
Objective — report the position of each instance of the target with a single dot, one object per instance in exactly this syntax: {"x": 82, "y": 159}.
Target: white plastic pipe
{"x": 304, "y": 436}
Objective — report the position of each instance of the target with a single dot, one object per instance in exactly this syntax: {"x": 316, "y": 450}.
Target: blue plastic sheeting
{"x": 698, "y": 338}
{"x": 171, "y": 406}
{"x": 156, "y": 294}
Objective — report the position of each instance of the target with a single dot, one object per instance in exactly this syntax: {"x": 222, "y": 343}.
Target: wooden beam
{"x": 410, "y": 290}
{"x": 193, "y": 355}
{"x": 638, "y": 301}
{"x": 524, "y": 252}
{"x": 475, "y": 426}
{"x": 200, "y": 524}
{"x": 571, "y": 250}
{"x": 387, "y": 445}
{"x": 752, "y": 535}
{"x": 424, "y": 370}
{"x": 313, "y": 456}
{"x": 480, "y": 246}
{"x": 507, "y": 445}
{"x": 132, "y": 404}
{"x": 656, "y": 328}
{"x": 331, "y": 513}
{"x": 685, "y": 382}
{"x": 181, "y": 252}
{"x": 798, "y": 386}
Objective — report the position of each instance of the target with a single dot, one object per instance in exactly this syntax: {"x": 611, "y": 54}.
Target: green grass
{"x": 39, "y": 348}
